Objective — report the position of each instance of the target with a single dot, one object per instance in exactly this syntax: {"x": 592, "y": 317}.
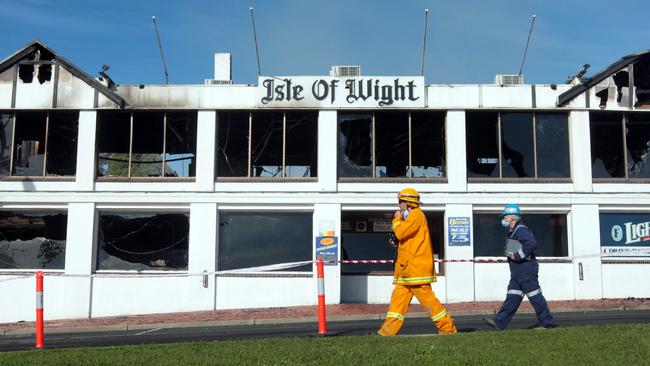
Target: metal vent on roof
{"x": 509, "y": 79}
{"x": 217, "y": 82}
{"x": 345, "y": 71}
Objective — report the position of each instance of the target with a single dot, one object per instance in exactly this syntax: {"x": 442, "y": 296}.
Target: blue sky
{"x": 467, "y": 41}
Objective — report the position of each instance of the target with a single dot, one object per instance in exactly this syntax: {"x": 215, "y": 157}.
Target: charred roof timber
{"x": 637, "y": 74}
{"x": 37, "y": 53}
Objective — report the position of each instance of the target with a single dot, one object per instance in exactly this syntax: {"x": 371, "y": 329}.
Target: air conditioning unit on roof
{"x": 345, "y": 71}
{"x": 509, "y": 79}
{"x": 217, "y": 82}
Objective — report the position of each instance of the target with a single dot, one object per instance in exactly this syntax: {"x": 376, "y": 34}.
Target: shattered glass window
{"x": 6, "y": 133}
{"x": 113, "y": 140}
{"x": 428, "y": 144}
{"x": 266, "y": 145}
{"x": 517, "y": 145}
{"x": 251, "y": 239}
{"x": 180, "y": 144}
{"x": 32, "y": 240}
{"x": 63, "y": 132}
{"x": 29, "y": 144}
{"x": 552, "y": 135}
{"x": 142, "y": 241}
{"x": 302, "y": 144}
{"x": 549, "y": 230}
{"x": 392, "y": 144}
{"x": 607, "y": 159}
{"x": 638, "y": 145}
{"x": 355, "y": 144}
{"x": 148, "y": 141}
{"x": 482, "y": 144}
{"x": 232, "y": 144}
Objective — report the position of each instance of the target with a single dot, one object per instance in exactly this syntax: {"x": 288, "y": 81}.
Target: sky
{"x": 466, "y": 41}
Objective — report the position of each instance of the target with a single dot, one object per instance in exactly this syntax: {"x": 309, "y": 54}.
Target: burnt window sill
{"x": 265, "y": 180}
{"x": 622, "y": 180}
{"x": 391, "y": 180}
{"x": 519, "y": 180}
{"x": 146, "y": 179}
{"x": 47, "y": 178}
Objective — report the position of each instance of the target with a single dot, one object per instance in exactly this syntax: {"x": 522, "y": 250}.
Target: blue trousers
{"x": 524, "y": 282}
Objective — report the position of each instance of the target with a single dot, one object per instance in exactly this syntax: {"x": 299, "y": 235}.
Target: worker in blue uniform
{"x": 520, "y": 250}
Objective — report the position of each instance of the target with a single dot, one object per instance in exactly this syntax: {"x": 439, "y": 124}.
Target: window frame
{"x": 162, "y": 177}
{"x": 249, "y": 177}
{"x": 373, "y": 159}
{"x": 12, "y": 162}
{"x": 536, "y": 178}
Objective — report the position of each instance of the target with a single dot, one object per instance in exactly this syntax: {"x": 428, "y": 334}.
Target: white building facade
{"x": 133, "y": 199}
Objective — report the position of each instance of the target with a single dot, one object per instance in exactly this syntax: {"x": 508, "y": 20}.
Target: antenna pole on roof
{"x": 162, "y": 56}
{"x": 257, "y": 52}
{"x": 424, "y": 43}
{"x": 532, "y": 23}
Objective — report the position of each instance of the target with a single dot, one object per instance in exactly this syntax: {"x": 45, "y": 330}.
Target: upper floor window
{"x": 39, "y": 143}
{"x": 146, "y": 144}
{"x": 619, "y": 145}
{"x": 395, "y": 144}
{"x": 517, "y": 145}
{"x": 267, "y": 144}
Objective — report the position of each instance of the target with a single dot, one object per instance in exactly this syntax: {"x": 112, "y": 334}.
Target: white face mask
{"x": 406, "y": 213}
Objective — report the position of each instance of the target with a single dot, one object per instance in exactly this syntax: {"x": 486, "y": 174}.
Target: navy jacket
{"x": 528, "y": 243}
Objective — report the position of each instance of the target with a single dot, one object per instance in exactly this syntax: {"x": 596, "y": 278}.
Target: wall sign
{"x": 458, "y": 231}
{"x": 335, "y": 92}
{"x": 328, "y": 248}
{"x": 623, "y": 234}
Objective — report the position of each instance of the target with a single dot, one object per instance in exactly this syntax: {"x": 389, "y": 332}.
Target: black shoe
{"x": 540, "y": 326}
{"x": 492, "y": 324}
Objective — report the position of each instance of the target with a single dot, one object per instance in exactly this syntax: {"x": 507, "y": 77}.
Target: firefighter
{"x": 520, "y": 250}
{"x": 414, "y": 271}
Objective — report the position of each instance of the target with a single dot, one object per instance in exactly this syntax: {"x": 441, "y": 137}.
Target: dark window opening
{"x": 391, "y": 144}
{"x": 517, "y": 145}
{"x": 32, "y": 240}
{"x": 252, "y": 239}
{"x": 638, "y": 145}
{"x": 607, "y": 145}
{"x": 549, "y": 230}
{"x": 6, "y": 134}
{"x": 277, "y": 144}
{"x": 44, "y": 73}
{"x": 62, "y": 144}
{"x": 364, "y": 235}
{"x": 29, "y": 148}
{"x": 26, "y": 73}
{"x": 146, "y": 144}
{"x": 142, "y": 241}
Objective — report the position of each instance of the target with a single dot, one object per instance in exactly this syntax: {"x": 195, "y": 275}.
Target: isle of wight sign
{"x": 337, "y": 92}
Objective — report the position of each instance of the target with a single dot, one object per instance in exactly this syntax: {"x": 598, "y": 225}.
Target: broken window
{"x": 620, "y": 144}
{"x": 142, "y": 241}
{"x": 550, "y": 231}
{"x": 251, "y": 239}
{"x": 146, "y": 144}
{"x": 267, "y": 144}
{"x": 615, "y": 90}
{"x": 517, "y": 145}
{"x": 36, "y": 64}
{"x": 392, "y": 144}
{"x": 32, "y": 240}
{"x": 39, "y": 143}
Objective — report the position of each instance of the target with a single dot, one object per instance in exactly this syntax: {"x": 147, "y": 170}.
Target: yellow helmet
{"x": 410, "y": 196}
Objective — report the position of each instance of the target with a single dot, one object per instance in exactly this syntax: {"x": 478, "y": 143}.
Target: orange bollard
{"x": 40, "y": 336}
{"x": 322, "y": 322}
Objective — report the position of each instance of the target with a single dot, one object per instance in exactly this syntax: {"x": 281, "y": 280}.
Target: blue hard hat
{"x": 511, "y": 209}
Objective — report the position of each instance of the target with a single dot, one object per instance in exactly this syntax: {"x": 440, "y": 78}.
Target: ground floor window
{"x": 251, "y": 239}
{"x": 32, "y": 240}
{"x": 364, "y": 235}
{"x": 549, "y": 230}
{"x": 143, "y": 241}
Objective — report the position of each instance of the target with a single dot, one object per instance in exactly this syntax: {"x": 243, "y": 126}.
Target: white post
{"x": 456, "y": 155}
{"x": 80, "y": 256}
{"x": 585, "y": 224}
{"x": 580, "y": 151}
{"x": 327, "y": 153}
{"x": 459, "y": 276}
{"x": 205, "y": 150}
{"x": 85, "y": 175}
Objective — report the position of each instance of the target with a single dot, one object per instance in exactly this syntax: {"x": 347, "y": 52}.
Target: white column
{"x": 456, "y": 154}
{"x": 202, "y": 255}
{"x": 585, "y": 235}
{"x": 459, "y": 276}
{"x": 205, "y": 150}
{"x": 85, "y": 176}
{"x": 80, "y": 256}
{"x": 327, "y": 150}
{"x": 328, "y": 213}
{"x": 580, "y": 151}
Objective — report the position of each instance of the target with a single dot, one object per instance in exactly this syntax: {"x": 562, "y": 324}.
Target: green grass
{"x": 588, "y": 345}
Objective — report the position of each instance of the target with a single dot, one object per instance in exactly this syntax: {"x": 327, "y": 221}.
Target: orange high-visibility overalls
{"x": 413, "y": 276}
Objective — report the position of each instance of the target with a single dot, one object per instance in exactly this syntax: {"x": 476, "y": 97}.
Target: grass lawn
{"x": 587, "y": 345}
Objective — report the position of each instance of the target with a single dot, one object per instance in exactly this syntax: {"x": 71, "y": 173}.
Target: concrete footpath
{"x": 338, "y": 312}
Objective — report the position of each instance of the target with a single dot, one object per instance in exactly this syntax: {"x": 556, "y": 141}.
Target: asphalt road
{"x": 412, "y": 326}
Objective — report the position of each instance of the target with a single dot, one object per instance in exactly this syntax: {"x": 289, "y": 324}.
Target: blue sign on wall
{"x": 623, "y": 234}
{"x": 328, "y": 248}
{"x": 458, "y": 230}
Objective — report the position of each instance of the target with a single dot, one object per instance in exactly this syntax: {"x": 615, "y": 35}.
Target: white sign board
{"x": 340, "y": 92}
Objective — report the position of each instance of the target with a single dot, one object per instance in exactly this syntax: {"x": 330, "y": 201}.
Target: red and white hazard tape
{"x": 390, "y": 261}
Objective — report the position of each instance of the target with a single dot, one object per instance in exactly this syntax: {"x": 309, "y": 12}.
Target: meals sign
{"x": 340, "y": 92}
